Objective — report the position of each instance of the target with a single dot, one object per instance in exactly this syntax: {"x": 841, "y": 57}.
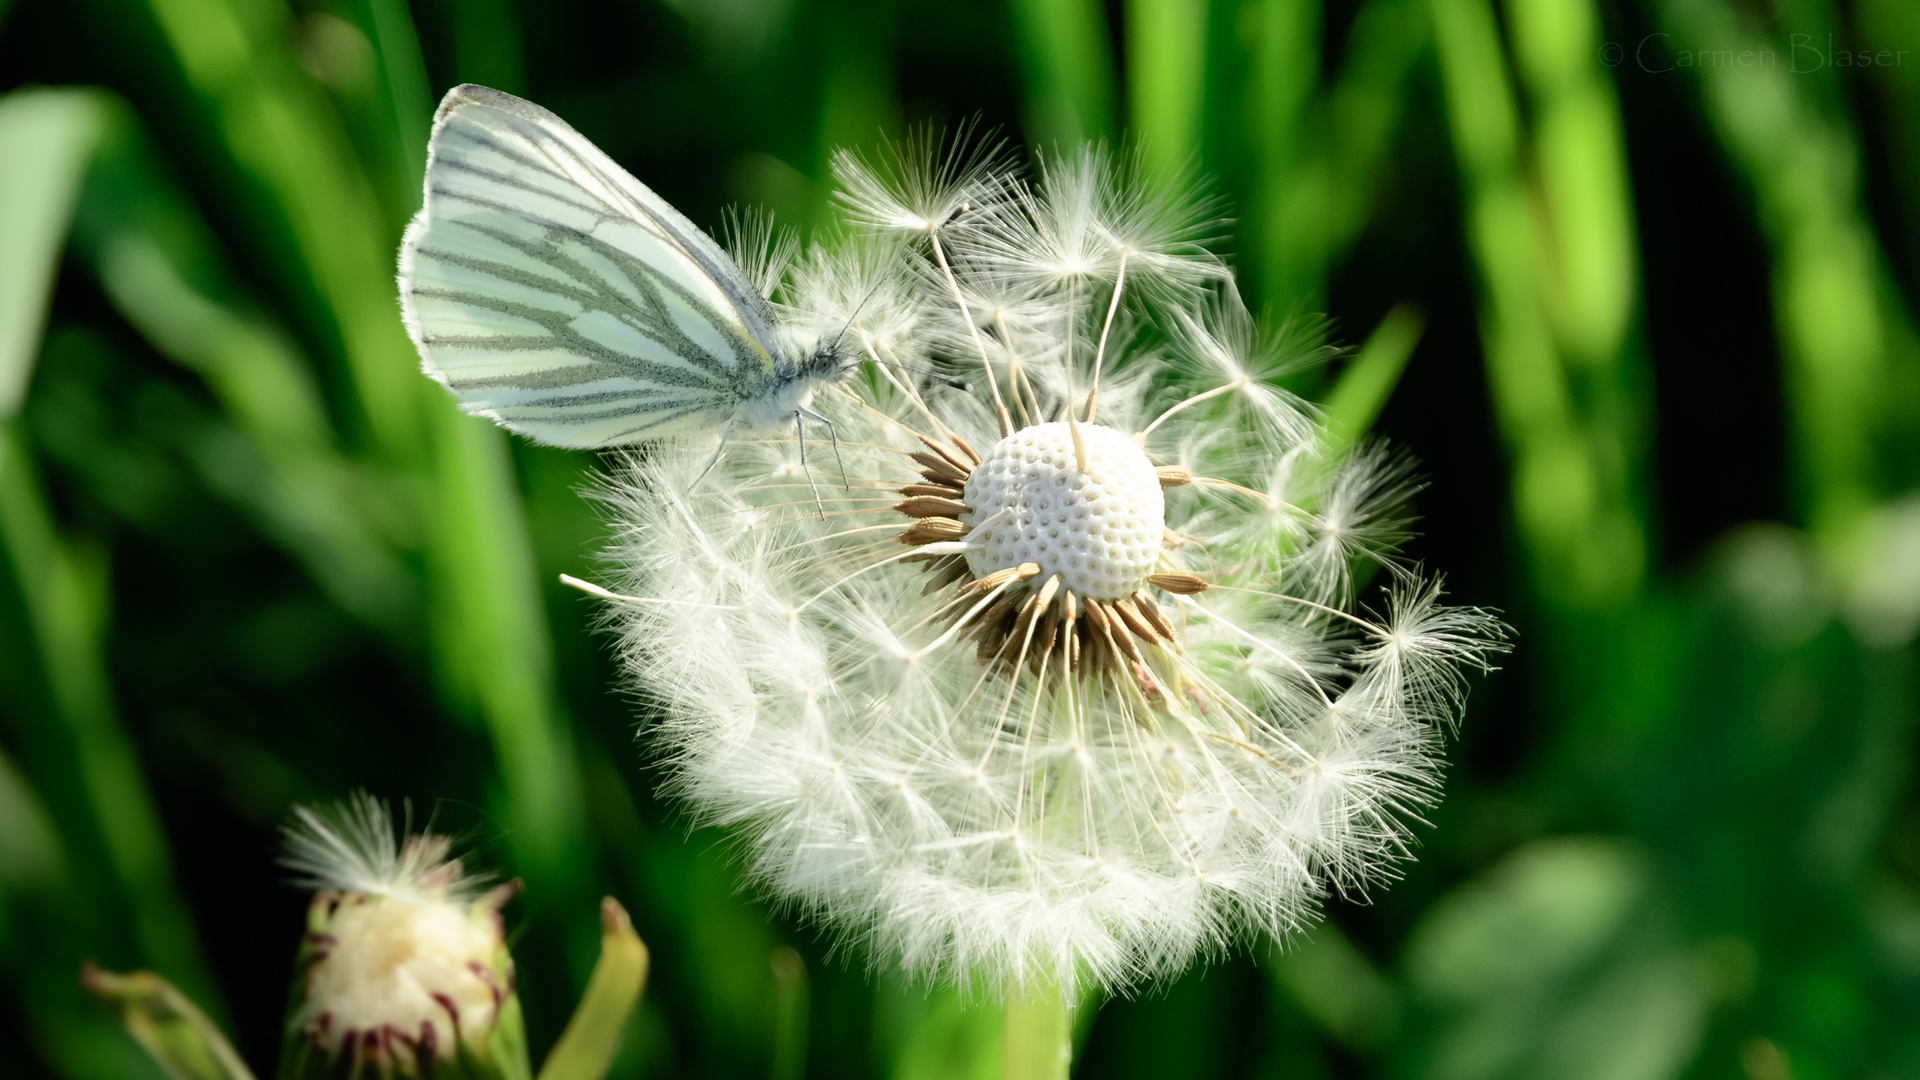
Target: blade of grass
{"x": 83, "y": 741}
{"x": 1166, "y": 80}
{"x": 1580, "y": 159}
{"x": 492, "y": 627}
{"x": 1066, "y": 58}
{"x": 1783, "y": 127}
{"x": 1365, "y": 385}
{"x": 1585, "y": 538}
{"x": 283, "y": 137}
{"x": 1289, "y": 206}
{"x": 491, "y": 645}
{"x": 1318, "y": 149}
{"x": 46, "y": 139}
{"x": 161, "y": 269}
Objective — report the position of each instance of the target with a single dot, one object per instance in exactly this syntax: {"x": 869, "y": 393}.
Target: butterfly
{"x": 558, "y": 296}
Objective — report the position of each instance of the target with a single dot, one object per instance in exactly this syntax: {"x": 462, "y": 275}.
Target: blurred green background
{"x": 1655, "y": 263}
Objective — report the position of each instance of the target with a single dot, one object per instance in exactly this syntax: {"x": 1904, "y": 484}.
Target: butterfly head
{"x": 833, "y": 359}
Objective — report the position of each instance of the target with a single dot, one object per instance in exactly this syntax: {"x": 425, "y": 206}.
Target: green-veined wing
{"x": 554, "y": 293}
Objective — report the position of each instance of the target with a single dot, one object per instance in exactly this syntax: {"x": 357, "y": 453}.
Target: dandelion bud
{"x": 404, "y": 969}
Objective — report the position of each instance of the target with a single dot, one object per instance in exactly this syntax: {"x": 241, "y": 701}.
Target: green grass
{"x": 249, "y": 556}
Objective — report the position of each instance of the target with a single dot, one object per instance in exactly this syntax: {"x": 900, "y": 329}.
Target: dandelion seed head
{"x": 1069, "y": 678}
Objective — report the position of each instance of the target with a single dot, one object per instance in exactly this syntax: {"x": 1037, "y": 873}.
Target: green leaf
{"x": 586, "y": 1047}
{"x": 173, "y": 1029}
{"x": 46, "y": 138}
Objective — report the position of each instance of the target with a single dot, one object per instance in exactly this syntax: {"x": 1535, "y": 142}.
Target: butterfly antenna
{"x": 858, "y": 308}
{"x": 715, "y": 459}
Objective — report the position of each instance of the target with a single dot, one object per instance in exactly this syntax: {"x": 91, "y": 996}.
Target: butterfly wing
{"x": 555, "y": 294}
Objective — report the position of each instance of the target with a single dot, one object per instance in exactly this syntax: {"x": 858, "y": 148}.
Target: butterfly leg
{"x": 800, "y": 429}
{"x": 715, "y": 459}
{"x": 832, "y": 433}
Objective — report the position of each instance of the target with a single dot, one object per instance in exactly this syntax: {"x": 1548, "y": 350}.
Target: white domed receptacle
{"x": 1100, "y": 530}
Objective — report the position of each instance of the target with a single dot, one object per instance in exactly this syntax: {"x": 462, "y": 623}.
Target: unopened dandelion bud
{"x": 404, "y": 969}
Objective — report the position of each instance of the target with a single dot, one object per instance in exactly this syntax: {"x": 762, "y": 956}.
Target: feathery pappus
{"x": 1102, "y": 656}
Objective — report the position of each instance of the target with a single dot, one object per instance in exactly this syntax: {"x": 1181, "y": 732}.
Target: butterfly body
{"x": 555, "y": 294}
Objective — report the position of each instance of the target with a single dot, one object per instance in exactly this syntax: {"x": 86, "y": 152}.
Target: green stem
{"x": 1039, "y": 1042}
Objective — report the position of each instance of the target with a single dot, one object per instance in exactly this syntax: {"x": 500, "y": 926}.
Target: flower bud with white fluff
{"x": 404, "y": 968}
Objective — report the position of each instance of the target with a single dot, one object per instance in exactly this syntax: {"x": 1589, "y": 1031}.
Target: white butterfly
{"x": 553, "y": 293}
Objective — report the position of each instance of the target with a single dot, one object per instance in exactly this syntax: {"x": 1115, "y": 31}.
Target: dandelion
{"x": 404, "y": 968}
{"x": 1067, "y": 679}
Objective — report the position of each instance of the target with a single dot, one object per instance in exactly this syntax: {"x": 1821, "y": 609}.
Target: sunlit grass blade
{"x": 163, "y": 271}
{"x": 1166, "y": 80}
{"x": 1368, "y": 381}
{"x": 491, "y": 635}
{"x": 1571, "y": 496}
{"x": 1802, "y": 162}
{"x": 46, "y": 140}
{"x": 1066, "y": 57}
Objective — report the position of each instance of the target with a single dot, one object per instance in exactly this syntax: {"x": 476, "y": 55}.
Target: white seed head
{"x": 1177, "y": 729}
{"x": 1100, "y": 529}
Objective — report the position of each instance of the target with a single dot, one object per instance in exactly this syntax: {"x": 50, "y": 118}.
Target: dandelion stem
{"x": 1100, "y": 354}
{"x": 1037, "y": 1046}
{"x": 966, "y": 313}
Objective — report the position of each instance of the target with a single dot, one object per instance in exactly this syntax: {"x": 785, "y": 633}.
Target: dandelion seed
{"x": 1173, "y": 728}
